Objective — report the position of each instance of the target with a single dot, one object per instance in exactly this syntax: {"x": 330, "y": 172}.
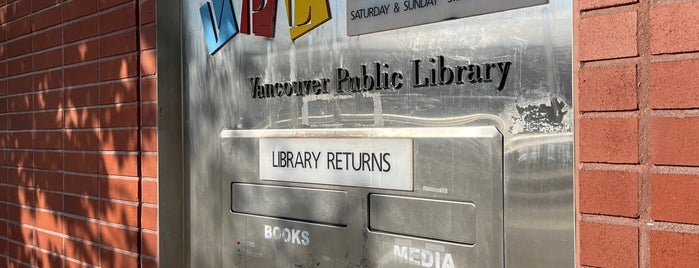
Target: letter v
{"x": 219, "y": 33}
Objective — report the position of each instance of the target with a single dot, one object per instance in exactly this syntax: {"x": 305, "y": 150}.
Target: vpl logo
{"x": 258, "y": 18}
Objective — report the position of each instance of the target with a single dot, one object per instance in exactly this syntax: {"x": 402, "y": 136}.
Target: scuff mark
{"x": 540, "y": 119}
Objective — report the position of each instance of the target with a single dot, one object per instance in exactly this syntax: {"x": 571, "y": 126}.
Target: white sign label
{"x": 380, "y": 15}
{"x": 373, "y": 163}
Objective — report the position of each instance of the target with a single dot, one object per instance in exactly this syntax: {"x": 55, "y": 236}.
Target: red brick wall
{"x": 638, "y": 127}
{"x": 78, "y": 140}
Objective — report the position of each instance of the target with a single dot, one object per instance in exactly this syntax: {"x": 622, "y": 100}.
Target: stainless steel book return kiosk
{"x": 431, "y": 197}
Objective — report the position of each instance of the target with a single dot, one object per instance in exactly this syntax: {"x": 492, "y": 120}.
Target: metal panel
{"x": 532, "y": 110}
{"x": 474, "y": 177}
{"x": 319, "y": 206}
{"x": 449, "y": 221}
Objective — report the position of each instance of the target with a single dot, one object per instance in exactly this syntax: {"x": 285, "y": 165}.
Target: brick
{"x": 48, "y": 140}
{"x": 81, "y": 74}
{"x": 149, "y": 140}
{"x": 49, "y": 180}
{"x": 48, "y": 160}
{"x": 19, "y": 121}
{"x": 78, "y": 8}
{"x": 674, "y": 28}
{"x": 22, "y": 252}
{"x": 149, "y": 89}
{"x": 119, "y": 43}
{"x": 20, "y": 234}
{"x": 593, "y": 4}
{"x": 149, "y": 166}
{"x": 48, "y": 120}
{"x": 149, "y": 218}
{"x": 82, "y": 140}
{"x": 670, "y": 249}
{"x": 147, "y": 11}
{"x": 21, "y": 196}
{"x": 20, "y": 103}
{"x": 609, "y": 140}
{"x": 18, "y": 9}
{"x": 3, "y": 124}
{"x": 81, "y": 229}
{"x": 117, "y": 19}
{"x": 48, "y": 100}
{"x": 673, "y": 84}
{"x": 148, "y": 63}
{"x": 49, "y": 200}
{"x": 81, "y": 206}
{"x": 82, "y": 118}
{"x": 18, "y": 28}
{"x": 119, "y": 68}
{"x": 123, "y": 165}
{"x": 119, "y": 213}
{"x": 83, "y": 185}
{"x": 104, "y": 4}
{"x": 120, "y": 189}
{"x": 20, "y": 214}
{"x": 47, "y": 39}
{"x": 48, "y": 59}
{"x": 19, "y": 84}
{"x": 3, "y": 72}
{"x": 149, "y": 243}
{"x": 119, "y": 92}
{"x": 43, "y": 259}
{"x": 672, "y": 141}
{"x": 21, "y": 176}
{"x": 49, "y": 221}
{"x": 46, "y": 18}
{"x": 604, "y": 245}
{"x": 120, "y": 238}
{"x": 147, "y": 39}
{"x": 49, "y": 242}
{"x": 19, "y": 47}
{"x": 82, "y": 251}
{"x": 119, "y": 116}
{"x": 42, "y": 4}
{"x": 674, "y": 198}
{"x": 115, "y": 259}
{"x": 82, "y": 162}
{"x": 83, "y": 96}
{"x": 149, "y": 114}
{"x": 119, "y": 140}
{"x": 608, "y": 36}
{"x": 80, "y": 29}
{"x": 83, "y": 51}
{"x": 21, "y": 140}
{"x": 20, "y": 159}
{"x": 48, "y": 80}
{"x": 149, "y": 192}
{"x": 19, "y": 66}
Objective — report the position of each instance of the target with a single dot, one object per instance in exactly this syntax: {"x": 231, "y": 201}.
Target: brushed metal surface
{"x": 474, "y": 176}
{"x": 303, "y": 204}
{"x": 450, "y": 221}
{"x": 532, "y": 111}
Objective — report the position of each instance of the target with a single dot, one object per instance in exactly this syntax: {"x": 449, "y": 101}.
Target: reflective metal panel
{"x": 319, "y": 206}
{"x": 508, "y": 71}
{"x": 455, "y": 209}
{"x": 450, "y": 221}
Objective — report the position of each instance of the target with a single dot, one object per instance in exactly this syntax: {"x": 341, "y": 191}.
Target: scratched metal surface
{"x": 533, "y": 112}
